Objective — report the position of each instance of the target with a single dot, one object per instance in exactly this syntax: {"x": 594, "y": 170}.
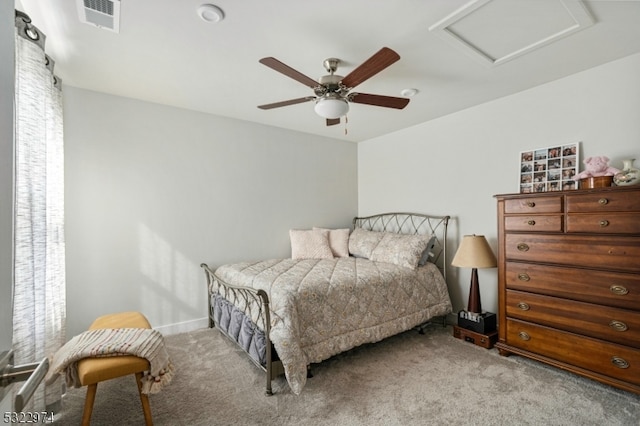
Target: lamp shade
{"x": 331, "y": 107}
{"x": 474, "y": 252}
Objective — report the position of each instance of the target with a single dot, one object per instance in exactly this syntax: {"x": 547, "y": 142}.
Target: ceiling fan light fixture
{"x": 331, "y": 107}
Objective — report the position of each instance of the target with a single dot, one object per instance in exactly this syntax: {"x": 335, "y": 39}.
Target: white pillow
{"x": 338, "y": 241}
{"x": 310, "y": 244}
{"x": 400, "y": 249}
{"x": 362, "y": 242}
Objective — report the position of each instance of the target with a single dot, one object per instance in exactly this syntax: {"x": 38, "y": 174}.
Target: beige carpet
{"x": 410, "y": 379}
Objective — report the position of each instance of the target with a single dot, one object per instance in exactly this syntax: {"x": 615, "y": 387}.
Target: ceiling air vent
{"x": 100, "y": 13}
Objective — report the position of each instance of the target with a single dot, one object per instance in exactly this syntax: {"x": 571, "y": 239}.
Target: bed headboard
{"x": 412, "y": 223}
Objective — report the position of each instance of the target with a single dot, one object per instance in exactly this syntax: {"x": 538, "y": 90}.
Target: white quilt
{"x": 320, "y": 308}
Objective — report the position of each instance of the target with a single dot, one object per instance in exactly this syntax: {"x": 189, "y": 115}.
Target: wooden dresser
{"x": 569, "y": 281}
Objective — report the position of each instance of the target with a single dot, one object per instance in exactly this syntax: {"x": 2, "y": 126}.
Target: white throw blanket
{"x": 106, "y": 342}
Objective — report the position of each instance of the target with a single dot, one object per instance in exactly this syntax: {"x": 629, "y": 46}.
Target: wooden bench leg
{"x": 88, "y": 404}
{"x": 144, "y": 399}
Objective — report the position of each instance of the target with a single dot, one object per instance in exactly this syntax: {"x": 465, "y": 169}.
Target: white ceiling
{"x": 457, "y": 53}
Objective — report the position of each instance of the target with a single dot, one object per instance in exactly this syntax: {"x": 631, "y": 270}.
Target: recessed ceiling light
{"x": 210, "y": 13}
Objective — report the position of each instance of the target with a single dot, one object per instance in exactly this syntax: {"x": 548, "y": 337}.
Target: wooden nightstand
{"x": 485, "y": 340}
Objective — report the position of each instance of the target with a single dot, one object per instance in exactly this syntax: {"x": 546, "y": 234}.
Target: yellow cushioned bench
{"x": 91, "y": 371}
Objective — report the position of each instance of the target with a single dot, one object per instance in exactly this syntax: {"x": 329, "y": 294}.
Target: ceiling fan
{"x": 332, "y": 91}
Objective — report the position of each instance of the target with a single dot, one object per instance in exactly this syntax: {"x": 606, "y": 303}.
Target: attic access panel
{"x": 497, "y": 31}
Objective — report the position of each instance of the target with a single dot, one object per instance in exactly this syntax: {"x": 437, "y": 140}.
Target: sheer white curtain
{"x": 39, "y": 309}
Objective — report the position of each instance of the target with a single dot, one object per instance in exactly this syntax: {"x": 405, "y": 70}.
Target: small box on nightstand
{"x": 480, "y": 323}
{"x": 485, "y": 340}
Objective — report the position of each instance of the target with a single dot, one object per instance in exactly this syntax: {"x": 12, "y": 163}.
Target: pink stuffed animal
{"x": 597, "y": 166}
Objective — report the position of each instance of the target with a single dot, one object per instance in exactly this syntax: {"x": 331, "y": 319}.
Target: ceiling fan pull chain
{"x": 346, "y": 121}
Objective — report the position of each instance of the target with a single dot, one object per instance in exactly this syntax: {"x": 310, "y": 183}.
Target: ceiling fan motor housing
{"x": 330, "y": 82}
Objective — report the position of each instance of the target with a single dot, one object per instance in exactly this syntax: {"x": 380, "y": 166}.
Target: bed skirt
{"x": 239, "y": 328}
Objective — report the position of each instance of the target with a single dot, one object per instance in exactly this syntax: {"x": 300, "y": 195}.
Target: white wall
{"x": 454, "y": 165}
{"x": 153, "y": 191}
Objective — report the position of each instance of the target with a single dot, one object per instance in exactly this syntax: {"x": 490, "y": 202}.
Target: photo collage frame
{"x": 549, "y": 169}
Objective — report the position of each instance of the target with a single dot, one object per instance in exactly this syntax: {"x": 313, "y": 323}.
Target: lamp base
{"x": 484, "y": 323}
{"x": 474, "y": 304}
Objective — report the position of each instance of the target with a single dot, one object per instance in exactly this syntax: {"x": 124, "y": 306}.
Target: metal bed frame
{"x": 255, "y": 303}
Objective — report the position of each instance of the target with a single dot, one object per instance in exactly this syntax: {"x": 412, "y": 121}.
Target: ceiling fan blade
{"x": 333, "y": 121}
{"x": 372, "y": 66}
{"x": 378, "y": 100}
{"x": 275, "y": 64}
{"x": 286, "y": 103}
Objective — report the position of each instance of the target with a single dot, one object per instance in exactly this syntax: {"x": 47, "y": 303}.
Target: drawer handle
{"x": 604, "y": 223}
{"x": 618, "y": 325}
{"x": 523, "y": 247}
{"x": 525, "y": 307}
{"x": 618, "y": 289}
{"x": 603, "y": 201}
{"x": 619, "y": 362}
{"x": 525, "y": 336}
{"x": 531, "y": 222}
{"x": 524, "y": 277}
{"x": 531, "y": 204}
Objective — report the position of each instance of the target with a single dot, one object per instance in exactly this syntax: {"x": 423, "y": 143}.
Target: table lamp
{"x": 474, "y": 252}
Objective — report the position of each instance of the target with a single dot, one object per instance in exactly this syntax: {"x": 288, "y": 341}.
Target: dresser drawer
{"x": 607, "y": 288}
{"x": 534, "y": 205}
{"x": 603, "y": 322}
{"x": 611, "y": 359}
{"x": 610, "y": 201}
{"x": 606, "y": 223}
{"x": 618, "y": 253}
{"x": 539, "y": 223}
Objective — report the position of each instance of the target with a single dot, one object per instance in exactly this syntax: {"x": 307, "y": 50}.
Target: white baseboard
{"x": 183, "y": 327}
